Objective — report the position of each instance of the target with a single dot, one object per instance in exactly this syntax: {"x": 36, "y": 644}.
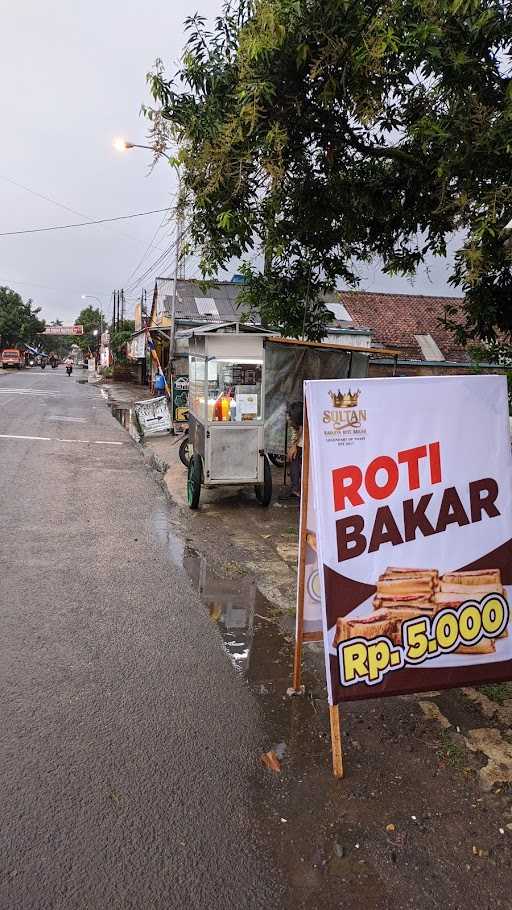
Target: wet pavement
{"x": 411, "y": 824}
{"x": 128, "y": 742}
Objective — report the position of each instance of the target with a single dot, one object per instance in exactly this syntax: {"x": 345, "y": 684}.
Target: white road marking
{"x": 102, "y": 442}
{"x": 40, "y": 438}
{"x": 95, "y": 442}
{"x": 28, "y": 392}
{"x": 70, "y": 419}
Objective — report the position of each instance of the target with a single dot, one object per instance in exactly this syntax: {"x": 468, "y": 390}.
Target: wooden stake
{"x": 299, "y": 631}
{"x": 337, "y": 751}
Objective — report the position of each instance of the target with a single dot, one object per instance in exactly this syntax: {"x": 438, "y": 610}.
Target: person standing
{"x": 159, "y": 385}
{"x": 295, "y": 418}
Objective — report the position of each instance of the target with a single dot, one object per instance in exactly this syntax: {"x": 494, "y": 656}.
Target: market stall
{"x": 240, "y": 387}
{"x": 226, "y": 414}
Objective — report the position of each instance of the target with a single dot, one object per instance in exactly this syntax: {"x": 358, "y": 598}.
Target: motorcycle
{"x": 43, "y": 364}
{"x": 69, "y": 369}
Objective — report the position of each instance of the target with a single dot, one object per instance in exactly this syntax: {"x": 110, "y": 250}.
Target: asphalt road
{"x": 128, "y": 745}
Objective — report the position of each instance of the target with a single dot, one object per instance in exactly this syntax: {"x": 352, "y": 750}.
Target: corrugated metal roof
{"x": 188, "y": 292}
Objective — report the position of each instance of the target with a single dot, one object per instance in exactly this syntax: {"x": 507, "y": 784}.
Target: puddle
{"x": 241, "y": 614}
{"x": 126, "y": 417}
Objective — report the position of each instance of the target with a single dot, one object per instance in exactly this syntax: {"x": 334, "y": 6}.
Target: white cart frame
{"x": 231, "y": 452}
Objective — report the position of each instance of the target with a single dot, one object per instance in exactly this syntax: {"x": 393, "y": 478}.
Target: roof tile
{"x": 395, "y": 320}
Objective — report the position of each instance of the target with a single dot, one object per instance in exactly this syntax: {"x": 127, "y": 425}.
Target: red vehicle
{"x": 11, "y": 357}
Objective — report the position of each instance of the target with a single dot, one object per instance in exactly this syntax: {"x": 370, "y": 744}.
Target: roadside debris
{"x": 291, "y": 692}
{"x": 270, "y": 760}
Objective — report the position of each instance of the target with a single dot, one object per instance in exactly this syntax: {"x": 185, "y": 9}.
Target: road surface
{"x": 128, "y": 744}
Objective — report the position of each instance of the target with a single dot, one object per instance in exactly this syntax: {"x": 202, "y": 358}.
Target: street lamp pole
{"x": 121, "y": 145}
{"x": 92, "y": 297}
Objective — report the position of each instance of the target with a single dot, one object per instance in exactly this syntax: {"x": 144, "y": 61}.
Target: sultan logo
{"x": 345, "y": 416}
{"x": 345, "y": 399}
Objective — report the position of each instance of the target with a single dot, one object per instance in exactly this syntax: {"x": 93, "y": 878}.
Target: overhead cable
{"x": 65, "y": 227}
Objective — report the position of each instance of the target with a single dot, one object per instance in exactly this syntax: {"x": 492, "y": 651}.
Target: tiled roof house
{"x": 411, "y": 324}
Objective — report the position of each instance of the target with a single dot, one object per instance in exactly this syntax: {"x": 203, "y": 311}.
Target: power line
{"x": 46, "y": 198}
{"x": 152, "y": 270}
{"x": 9, "y": 282}
{"x": 53, "y": 201}
{"x": 147, "y": 250}
{"x": 159, "y": 263}
{"x": 65, "y": 227}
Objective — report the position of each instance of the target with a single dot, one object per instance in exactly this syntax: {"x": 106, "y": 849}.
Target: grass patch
{"x": 497, "y": 692}
{"x": 450, "y": 752}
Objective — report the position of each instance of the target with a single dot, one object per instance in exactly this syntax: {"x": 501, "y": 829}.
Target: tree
{"x": 325, "y": 133}
{"x": 91, "y": 319}
{"x": 59, "y": 344}
{"x": 118, "y": 339}
{"x": 19, "y": 321}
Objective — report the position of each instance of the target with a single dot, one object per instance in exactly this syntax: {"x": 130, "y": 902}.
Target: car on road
{"x": 12, "y": 357}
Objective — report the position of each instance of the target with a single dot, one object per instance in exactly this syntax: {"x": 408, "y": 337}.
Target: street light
{"x": 92, "y": 297}
{"x": 122, "y": 145}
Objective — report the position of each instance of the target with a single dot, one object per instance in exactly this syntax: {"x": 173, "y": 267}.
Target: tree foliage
{"x": 325, "y": 133}
{"x": 91, "y": 319}
{"x": 19, "y": 321}
{"x": 118, "y": 339}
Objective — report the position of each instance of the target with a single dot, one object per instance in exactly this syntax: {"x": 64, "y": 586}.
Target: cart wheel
{"x": 264, "y": 490}
{"x": 195, "y": 476}
{"x": 185, "y": 451}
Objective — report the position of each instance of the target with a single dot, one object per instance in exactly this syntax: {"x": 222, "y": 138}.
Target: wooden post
{"x": 299, "y": 633}
{"x": 337, "y": 751}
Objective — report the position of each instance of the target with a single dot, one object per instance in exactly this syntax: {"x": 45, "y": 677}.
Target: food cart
{"x": 241, "y": 384}
{"x": 226, "y": 414}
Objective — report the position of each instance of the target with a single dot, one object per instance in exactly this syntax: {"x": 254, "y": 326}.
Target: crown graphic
{"x": 345, "y": 399}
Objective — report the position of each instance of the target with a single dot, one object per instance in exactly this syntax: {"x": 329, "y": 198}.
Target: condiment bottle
{"x": 217, "y": 409}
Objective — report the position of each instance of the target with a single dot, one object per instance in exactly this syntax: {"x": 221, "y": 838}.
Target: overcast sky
{"x": 72, "y": 77}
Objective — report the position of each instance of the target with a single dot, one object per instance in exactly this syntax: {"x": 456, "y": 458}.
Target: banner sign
{"x": 136, "y": 347}
{"x": 63, "y": 330}
{"x": 153, "y": 415}
{"x": 180, "y": 388}
{"x": 410, "y": 515}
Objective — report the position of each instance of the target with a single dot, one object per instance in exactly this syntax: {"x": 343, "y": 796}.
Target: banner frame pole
{"x": 337, "y": 749}
{"x": 334, "y": 713}
{"x": 299, "y": 633}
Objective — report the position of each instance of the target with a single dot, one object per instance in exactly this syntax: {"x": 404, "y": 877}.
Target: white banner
{"x": 137, "y": 347}
{"x": 153, "y": 415}
{"x": 411, "y": 489}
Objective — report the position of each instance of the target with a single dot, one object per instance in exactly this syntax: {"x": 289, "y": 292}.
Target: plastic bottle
{"x": 232, "y": 408}
{"x": 226, "y": 413}
{"x": 217, "y": 409}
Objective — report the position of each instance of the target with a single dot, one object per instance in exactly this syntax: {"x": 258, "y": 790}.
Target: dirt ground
{"x": 423, "y": 815}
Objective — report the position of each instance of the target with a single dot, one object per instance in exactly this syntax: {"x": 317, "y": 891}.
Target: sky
{"x": 72, "y": 78}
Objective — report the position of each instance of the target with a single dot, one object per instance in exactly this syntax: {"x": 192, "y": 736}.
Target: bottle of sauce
{"x": 217, "y": 409}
